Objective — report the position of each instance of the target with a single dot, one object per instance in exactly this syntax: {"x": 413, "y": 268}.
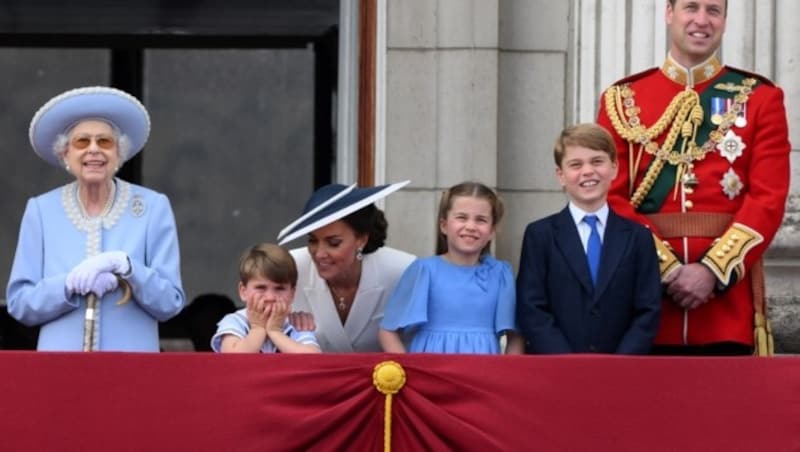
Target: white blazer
{"x": 380, "y": 272}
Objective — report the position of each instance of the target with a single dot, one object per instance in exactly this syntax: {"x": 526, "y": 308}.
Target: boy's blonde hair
{"x": 588, "y": 135}
{"x": 270, "y": 261}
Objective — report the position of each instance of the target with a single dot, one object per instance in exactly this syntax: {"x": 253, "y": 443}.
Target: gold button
{"x": 720, "y": 254}
{"x": 734, "y": 237}
{"x": 688, "y": 204}
{"x": 730, "y": 243}
{"x": 726, "y": 248}
{"x": 688, "y": 190}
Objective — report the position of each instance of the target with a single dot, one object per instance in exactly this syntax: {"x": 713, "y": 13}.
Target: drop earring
{"x": 360, "y": 253}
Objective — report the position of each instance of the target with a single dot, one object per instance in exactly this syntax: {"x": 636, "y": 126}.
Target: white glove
{"x": 104, "y": 283}
{"x": 82, "y": 278}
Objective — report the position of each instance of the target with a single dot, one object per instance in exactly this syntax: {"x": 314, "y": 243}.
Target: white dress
{"x": 380, "y": 272}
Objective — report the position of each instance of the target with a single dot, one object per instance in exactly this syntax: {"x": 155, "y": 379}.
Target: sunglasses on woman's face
{"x": 84, "y": 141}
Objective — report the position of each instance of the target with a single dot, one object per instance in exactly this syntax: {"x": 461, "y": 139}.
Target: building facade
{"x": 479, "y": 89}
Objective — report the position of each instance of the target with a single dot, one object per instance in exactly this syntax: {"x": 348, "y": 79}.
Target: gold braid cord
{"x": 682, "y": 117}
{"x": 388, "y": 378}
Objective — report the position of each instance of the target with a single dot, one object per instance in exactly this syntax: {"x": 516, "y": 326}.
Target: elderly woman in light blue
{"x": 98, "y": 240}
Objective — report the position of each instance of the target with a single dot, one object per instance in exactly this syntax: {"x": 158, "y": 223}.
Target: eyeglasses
{"x": 84, "y": 141}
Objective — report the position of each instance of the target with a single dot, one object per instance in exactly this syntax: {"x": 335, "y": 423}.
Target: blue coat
{"x": 55, "y": 236}
{"x": 558, "y": 308}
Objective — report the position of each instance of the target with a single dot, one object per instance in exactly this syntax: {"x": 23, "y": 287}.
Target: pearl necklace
{"x": 112, "y": 192}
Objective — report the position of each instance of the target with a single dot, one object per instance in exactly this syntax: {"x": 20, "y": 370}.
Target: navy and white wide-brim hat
{"x": 92, "y": 102}
{"x": 334, "y": 202}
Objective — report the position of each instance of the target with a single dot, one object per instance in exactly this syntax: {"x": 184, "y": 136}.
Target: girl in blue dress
{"x": 462, "y": 300}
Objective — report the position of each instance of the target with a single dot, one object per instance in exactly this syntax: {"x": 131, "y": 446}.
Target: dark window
{"x": 241, "y": 97}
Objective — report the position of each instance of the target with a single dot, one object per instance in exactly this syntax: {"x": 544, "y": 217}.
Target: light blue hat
{"x": 92, "y": 102}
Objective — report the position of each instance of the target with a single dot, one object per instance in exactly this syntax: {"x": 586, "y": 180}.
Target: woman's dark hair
{"x": 369, "y": 221}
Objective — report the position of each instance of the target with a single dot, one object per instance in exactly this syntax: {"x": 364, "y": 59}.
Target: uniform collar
{"x": 694, "y": 75}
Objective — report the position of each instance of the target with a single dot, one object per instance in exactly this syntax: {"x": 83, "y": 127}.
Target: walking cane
{"x": 90, "y": 320}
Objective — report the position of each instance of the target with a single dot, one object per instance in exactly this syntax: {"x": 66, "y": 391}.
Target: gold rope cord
{"x": 680, "y": 117}
{"x": 683, "y": 116}
{"x": 388, "y": 378}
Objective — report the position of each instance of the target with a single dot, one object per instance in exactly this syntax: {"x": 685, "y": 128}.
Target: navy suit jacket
{"x": 559, "y": 310}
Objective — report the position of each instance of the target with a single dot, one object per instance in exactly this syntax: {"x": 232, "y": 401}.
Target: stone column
{"x": 533, "y": 86}
{"x": 441, "y": 108}
{"x": 778, "y": 25}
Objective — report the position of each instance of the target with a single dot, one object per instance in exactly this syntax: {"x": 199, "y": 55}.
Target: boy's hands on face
{"x": 278, "y": 311}
{"x": 257, "y": 313}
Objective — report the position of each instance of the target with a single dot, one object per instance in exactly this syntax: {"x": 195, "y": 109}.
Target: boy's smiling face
{"x": 586, "y": 175}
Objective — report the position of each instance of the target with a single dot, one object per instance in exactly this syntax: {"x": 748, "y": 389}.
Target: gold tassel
{"x": 687, "y": 129}
{"x": 770, "y": 340}
{"x": 388, "y": 378}
{"x": 763, "y": 342}
{"x": 697, "y": 115}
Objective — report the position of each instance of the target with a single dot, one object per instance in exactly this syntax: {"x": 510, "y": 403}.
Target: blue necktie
{"x": 593, "y": 247}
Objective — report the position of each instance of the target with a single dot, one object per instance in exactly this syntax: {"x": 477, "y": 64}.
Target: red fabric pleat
{"x": 206, "y": 402}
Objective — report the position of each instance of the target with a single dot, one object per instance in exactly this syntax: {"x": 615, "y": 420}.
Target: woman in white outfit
{"x": 345, "y": 274}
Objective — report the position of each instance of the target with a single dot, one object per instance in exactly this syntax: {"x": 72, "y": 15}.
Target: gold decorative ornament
{"x": 729, "y": 87}
{"x": 727, "y": 254}
{"x": 667, "y": 261}
{"x": 389, "y": 377}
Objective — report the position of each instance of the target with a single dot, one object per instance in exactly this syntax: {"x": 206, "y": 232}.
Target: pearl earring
{"x": 360, "y": 253}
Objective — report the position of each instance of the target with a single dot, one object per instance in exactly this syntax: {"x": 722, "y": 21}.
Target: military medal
{"x": 741, "y": 116}
{"x": 731, "y": 184}
{"x": 731, "y": 146}
{"x": 717, "y": 110}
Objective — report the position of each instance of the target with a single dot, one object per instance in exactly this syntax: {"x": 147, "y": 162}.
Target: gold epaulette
{"x": 727, "y": 254}
{"x": 667, "y": 261}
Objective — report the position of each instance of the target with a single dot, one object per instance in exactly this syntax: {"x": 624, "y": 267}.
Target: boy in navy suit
{"x": 588, "y": 279}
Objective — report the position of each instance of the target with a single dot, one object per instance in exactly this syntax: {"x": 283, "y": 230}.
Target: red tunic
{"x": 758, "y": 183}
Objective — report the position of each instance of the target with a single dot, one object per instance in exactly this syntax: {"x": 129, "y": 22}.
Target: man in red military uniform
{"x": 704, "y": 162}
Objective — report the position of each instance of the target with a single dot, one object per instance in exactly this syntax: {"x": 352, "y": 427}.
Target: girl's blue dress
{"x": 453, "y": 308}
